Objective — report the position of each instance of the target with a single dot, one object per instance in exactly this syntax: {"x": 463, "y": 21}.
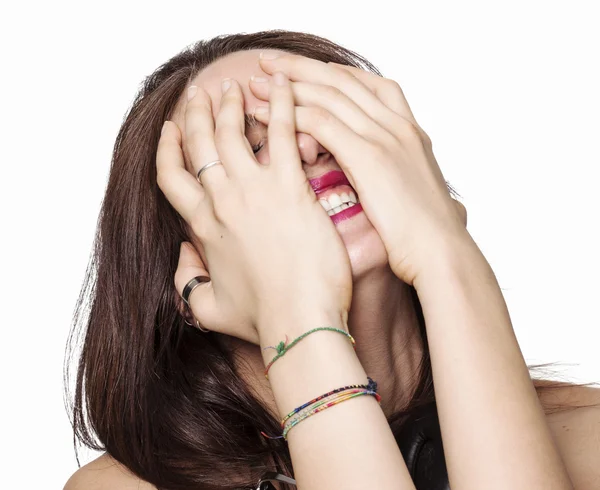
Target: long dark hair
{"x": 160, "y": 397}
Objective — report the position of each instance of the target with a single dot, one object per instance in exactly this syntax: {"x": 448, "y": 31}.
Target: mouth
{"x": 328, "y": 180}
{"x": 335, "y": 194}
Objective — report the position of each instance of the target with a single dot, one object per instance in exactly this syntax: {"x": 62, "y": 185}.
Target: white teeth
{"x": 325, "y": 204}
{"x": 335, "y": 203}
{"x": 334, "y": 200}
{"x": 337, "y": 209}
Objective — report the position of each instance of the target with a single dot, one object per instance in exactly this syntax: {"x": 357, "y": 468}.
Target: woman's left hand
{"x": 364, "y": 121}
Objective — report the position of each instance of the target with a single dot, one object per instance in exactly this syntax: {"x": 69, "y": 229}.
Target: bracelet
{"x": 339, "y": 399}
{"x": 316, "y": 405}
{"x": 282, "y": 347}
{"x": 371, "y": 385}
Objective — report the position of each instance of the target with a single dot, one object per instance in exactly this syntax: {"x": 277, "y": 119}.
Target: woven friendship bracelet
{"x": 341, "y": 398}
{"x": 282, "y": 347}
{"x": 371, "y": 385}
{"x": 316, "y": 405}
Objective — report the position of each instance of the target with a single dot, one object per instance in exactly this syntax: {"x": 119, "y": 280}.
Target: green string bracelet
{"x": 282, "y": 347}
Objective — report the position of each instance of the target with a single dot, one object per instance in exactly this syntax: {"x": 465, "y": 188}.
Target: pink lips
{"x": 346, "y": 213}
{"x": 330, "y": 179}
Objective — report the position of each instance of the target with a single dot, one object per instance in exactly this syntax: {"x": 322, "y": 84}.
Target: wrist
{"x": 456, "y": 256}
{"x": 295, "y": 320}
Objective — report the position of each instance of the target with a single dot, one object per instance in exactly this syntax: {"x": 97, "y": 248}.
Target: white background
{"x": 508, "y": 91}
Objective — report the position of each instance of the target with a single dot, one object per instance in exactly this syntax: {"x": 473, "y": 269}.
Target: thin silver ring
{"x": 206, "y": 167}
{"x": 199, "y": 327}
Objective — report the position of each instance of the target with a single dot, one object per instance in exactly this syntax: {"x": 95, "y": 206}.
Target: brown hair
{"x": 161, "y": 397}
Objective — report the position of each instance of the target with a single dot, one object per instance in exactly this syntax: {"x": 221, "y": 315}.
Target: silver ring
{"x": 199, "y": 327}
{"x": 187, "y": 291}
{"x": 197, "y": 324}
{"x": 206, "y": 167}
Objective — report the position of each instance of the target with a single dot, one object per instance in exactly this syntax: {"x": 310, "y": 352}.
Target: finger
{"x": 284, "y": 156}
{"x": 202, "y": 301}
{"x": 177, "y": 184}
{"x": 300, "y": 68}
{"x": 343, "y": 143}
{"x": 232, "y": 145}
{"x": 334, "y": 101}
{"x": 200, "y": 139}
{"x": 386, "y": 90}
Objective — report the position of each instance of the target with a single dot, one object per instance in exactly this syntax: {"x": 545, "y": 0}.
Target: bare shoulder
{"x": 105, "y": 473}
{"x": 577, "y": 433}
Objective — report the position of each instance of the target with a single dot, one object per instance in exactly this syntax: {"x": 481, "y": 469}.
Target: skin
{"x": 386, "y": 332}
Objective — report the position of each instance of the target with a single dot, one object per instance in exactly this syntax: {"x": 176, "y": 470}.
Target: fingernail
{"x": 269, "y": 56}
{"x": 163, "y": 127}
{"x": 258, "y": 79}
{"x": 280, "y": 78}
{"x": 261, "y": 109}
{"x": 225, "y": 84}
{"x": 192, "y": 89}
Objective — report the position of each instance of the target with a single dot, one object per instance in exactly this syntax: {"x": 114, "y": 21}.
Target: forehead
{"x": 240, "y": 66}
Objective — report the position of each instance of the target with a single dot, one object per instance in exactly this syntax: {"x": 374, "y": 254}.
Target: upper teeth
{"x": 334, "y": 203}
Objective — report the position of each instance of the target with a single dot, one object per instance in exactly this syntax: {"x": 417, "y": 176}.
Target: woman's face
{"x": 363, "y": 243}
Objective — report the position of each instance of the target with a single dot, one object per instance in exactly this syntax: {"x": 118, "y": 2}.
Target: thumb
{"x": 202, "y": 299}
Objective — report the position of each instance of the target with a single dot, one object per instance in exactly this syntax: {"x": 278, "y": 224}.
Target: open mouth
{"x": 336, "y": 195}
{"x": 335, "y": 199}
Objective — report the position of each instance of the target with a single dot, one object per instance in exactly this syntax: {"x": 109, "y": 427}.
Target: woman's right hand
{"x": 271, "y": 248}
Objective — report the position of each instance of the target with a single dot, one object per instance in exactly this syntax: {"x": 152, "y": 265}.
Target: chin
{"x": 367, "y": 253}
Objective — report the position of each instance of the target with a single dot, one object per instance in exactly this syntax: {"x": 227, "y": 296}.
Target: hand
{"x": 268, "y": 244}
{"x": 366, "y": 123}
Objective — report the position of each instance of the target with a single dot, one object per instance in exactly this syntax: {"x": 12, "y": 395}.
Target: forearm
{"x": 493, "y": 426}
{"x": 349, "y": 445}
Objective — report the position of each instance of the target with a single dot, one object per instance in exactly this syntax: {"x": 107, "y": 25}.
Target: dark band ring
{"x": 191, "y": 285}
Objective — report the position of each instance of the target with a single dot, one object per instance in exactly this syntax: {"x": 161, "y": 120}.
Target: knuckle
{"x": 193, "y": 137}
{"x": 345, "y": 75}
{"x": 281, "y": 127}
{"x": 198, "y": 106}
{"x": 407, "y": 131}
{"x": 426, "y": 139}
{"x": 320, "y": 116}
{"x": 332, "y": 92}
{"x": 223, "y": 132}
{"x": 392, "y": 87}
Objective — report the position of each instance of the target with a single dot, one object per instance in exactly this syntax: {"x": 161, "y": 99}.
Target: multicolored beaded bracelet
{"x": 339, "y": 399}
{"x": 371, "y": 385}
{"x": 282, "y": 347}
{"x": 369, "y": 389}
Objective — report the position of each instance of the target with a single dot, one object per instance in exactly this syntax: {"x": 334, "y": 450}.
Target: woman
{"x": 223, "y": 248}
